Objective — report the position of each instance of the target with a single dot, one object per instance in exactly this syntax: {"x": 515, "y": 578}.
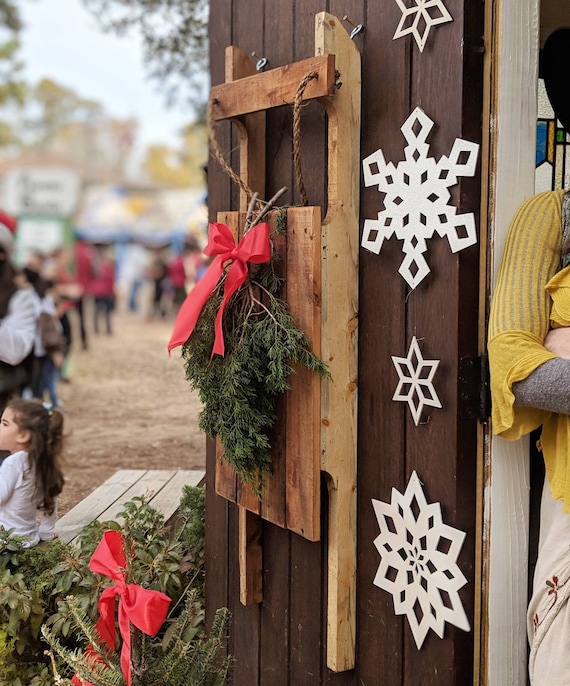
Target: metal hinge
{"x": 474, "y": 388}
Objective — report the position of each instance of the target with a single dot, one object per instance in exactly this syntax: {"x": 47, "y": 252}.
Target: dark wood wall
{"x": 281, "y": 642}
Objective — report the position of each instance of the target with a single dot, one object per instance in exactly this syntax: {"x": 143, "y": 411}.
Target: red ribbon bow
{"x": 145, "y": 608}
{"x": 253, "y": 247}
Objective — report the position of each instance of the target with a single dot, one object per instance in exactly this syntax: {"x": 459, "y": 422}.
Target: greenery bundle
{"x": 239, "y": 391}
{"x": 48, "y": 593}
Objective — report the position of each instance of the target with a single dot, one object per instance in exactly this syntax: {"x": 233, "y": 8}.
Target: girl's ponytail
{"x": 45, "y": 447}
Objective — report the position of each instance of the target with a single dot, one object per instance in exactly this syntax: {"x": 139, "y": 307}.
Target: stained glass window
{"x": 552, "y": 147}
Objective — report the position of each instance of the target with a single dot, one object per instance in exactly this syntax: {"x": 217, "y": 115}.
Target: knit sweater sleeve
{"x": 520, "y": 310}
{"x": 546, "y": 388}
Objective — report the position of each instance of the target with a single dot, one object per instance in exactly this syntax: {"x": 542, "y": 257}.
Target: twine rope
{"x": 217, "y": 153}
{"x": 297, "y": 134}
{"x": 215, "y": 148}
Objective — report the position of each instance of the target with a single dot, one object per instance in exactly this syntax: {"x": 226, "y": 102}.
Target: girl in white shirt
{"x": 30, "y": 477}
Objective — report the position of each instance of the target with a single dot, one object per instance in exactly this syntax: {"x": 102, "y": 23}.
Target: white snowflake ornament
{"x": 418, "y": 555}
{"x": 415, "y": 385}
{"x": 416, "y": 197}
{"x": 419, "y": 19}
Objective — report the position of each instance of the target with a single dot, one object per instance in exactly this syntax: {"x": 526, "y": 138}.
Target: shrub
{"x": 51, "y": 587}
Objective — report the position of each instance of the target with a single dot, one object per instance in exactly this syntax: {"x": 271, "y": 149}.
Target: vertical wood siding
{"x": 282, "y": 641}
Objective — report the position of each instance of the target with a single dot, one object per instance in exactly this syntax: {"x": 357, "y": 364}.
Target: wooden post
{"x": 340, "y": 244}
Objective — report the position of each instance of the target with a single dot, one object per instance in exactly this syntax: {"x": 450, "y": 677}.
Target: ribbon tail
{"x": 237, "y": 275}
{"x": 125, "y": 629}
{"x": 191, "y": 308}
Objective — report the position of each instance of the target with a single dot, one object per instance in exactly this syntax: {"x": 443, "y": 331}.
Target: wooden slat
{"x": 95, "y": 503}
{"x": 251, "y": 130}
{"x": 273, "y": 503}
{"x": 147, "y": 485}
{"x": 339, "y": 339}
{"x": 273, "y": 88}
{"x": 303, "y": 398}
{"x": 292, "y": 495}
{"x": 167, "y": 499}
{"x": 250, "y": 558}
{"x": 163, "y": 489}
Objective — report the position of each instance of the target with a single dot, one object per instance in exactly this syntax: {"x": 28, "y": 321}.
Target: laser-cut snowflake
{"x": 415, "y": 381}
{"x": 419, "y": 19}
{"x": 416, "y": 197}
{"x": 418, "y": 555}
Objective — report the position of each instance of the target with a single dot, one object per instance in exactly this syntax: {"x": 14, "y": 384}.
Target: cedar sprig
{"x": 239, "y": 391}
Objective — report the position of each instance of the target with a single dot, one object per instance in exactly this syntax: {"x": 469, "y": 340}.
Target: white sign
{"x": 43, "y": 235}
{"x": 40, "y": 190}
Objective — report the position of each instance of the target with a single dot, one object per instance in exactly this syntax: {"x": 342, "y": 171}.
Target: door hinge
{"x": 474, "y": 388}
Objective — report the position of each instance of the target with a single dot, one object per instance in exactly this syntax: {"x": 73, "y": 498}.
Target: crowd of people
{"x": 60, "y": 285}
{"x": 36, "y": 305}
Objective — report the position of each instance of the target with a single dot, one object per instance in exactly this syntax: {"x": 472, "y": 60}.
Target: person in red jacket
{"x": 102, "y": 288}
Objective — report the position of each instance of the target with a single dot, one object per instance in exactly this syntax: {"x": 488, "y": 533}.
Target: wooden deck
{"x": 163, "y": 487}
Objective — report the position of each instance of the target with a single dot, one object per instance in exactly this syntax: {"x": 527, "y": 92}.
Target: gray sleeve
{"x": 547, "y": 388}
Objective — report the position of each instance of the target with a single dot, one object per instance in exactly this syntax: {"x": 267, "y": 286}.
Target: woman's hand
{"x": 557, "y": 341}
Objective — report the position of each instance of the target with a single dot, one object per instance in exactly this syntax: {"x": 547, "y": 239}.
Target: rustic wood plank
{"x": 381, "y": 446}
{"x": 340, "y": 244}
{"x": 250, "y": 558}
{"x": 225, "y": 477}
{"x": 251, "y": 130}
{"x": 167, "y": 499}
{"x": 306, "y": 639}
{"x": 147, "y": 485}
{"x": 274, "y": 612}
{"x": 302, "y": 420}
{"x": 273, "y": 503}
{"x": 219, "y": 195}
{"x": 273, "y": 88}
{"x": 245, "y": 618}
{"x": 163, "y": 489}
{"x": 68, "y": 526}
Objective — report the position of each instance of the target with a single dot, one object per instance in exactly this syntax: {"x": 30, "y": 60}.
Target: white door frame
{"x": 513, "y": 52}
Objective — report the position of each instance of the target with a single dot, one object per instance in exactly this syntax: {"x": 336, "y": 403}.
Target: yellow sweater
{"x": 531, "y": 296}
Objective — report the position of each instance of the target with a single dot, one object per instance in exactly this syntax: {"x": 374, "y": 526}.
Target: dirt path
{"x": 128, "y": 407}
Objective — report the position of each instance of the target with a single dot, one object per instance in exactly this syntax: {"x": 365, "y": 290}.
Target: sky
{"x": 61, "y": 40}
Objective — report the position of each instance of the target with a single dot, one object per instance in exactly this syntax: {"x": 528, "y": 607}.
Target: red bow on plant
{"x": 145, "y": 608}
{"x": 253, "y": 247}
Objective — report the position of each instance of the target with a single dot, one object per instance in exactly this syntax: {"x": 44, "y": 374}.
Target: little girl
{"x": 30, "y": 477}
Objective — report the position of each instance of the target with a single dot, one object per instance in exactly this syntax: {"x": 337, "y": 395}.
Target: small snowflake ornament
{"x": 416, "y": 197}
{"x": 415, "y": 381}
{"x": 419, "y": 19}
{"x": 418, "y": 555}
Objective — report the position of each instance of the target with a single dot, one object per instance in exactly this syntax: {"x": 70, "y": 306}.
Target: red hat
{"x": 7, "y": 228}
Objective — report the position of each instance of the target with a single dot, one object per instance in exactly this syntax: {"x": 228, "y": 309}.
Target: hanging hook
{"x": 357, "y": 28}
{"x": 261, "y": 62}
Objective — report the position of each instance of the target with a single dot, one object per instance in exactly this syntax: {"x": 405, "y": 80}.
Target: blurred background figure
{"x": 176, "y": 271}
{"x": 17, "y": 320}
{"x": 102, "y": 288}
{"x": 134, "y": 266}
{"x": 158, "y": 274}
{"x": 84, "y": 256}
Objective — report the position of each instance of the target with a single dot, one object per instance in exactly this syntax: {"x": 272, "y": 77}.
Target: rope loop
{"x": 297, "y": 134}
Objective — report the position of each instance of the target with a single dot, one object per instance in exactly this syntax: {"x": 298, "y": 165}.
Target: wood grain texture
{"x": 396, "y": 77}
{"x": 161, "y": 487}
{"x": 273, "y": 88}
{"x": 293, "y": 490}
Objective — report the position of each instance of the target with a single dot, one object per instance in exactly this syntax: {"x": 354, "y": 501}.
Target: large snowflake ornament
{"x": 418, "y": 555}
{"x": 416, "y": 197}
{"x": 419, "y": 19}
{"x": 415, "y": 385}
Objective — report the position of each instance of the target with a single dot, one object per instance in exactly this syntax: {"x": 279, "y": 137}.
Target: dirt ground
{"x": 128, "y": 406}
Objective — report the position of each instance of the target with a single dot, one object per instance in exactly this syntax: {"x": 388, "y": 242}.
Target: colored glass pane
{"x": 552, "y": 147}
{"x": 541, "y": 138}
